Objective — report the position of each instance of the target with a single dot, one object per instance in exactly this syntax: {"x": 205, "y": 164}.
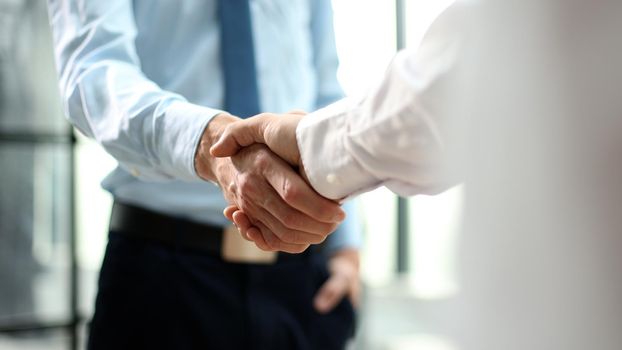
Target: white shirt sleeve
{"x": 394, "y": 136}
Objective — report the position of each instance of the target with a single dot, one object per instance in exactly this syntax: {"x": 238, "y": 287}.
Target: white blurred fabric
{"x": 541, "y": 155}
{"x": 533, "y": 112}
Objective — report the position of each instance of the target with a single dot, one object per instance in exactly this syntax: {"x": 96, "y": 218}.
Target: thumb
{"x": 330, "y": 294}
{"x": 238, "y": 135}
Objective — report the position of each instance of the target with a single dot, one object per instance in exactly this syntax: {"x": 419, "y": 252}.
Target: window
{"x": 35, "y": 200}
{"x": 366, "y": 41}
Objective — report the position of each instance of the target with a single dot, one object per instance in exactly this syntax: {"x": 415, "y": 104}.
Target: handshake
{"x": 257, "y": 164}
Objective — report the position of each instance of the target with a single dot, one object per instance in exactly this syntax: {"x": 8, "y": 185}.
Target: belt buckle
{"x": 236, "y": 249}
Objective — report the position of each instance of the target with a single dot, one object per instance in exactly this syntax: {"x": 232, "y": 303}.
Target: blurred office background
{"x": 53, "y": 213}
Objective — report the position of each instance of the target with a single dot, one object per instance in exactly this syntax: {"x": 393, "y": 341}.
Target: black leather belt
{"x": 135, "y": 222}
{"x": 145, "y": 224}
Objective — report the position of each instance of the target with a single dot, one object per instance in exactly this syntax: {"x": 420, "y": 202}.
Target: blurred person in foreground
{"x": 525, "y": 110}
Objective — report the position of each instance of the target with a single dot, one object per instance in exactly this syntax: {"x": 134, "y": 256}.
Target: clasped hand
{"x": 270, "y": 202}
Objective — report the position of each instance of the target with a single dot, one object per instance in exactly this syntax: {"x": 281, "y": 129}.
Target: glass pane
{"x": 34, "y": 228}
{"x": 434, "y": 228}
{"x": 419, "y": 16}
{"x": 433, "y": 220}
{"x": 364, "y": 52}
{"x": 44, "y": 340}
{"x": 28, "y": 85}
{"x": 400, "y": 311}
{"x": 93, "y": 205}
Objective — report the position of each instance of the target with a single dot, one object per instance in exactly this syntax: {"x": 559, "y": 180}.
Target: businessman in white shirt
{"x": 393, "y": 137}
{"x": 535, "y": 137}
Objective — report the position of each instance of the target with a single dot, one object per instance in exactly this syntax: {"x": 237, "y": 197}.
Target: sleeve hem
{"x": 331, "y": 169}
{"x": 191, "y": 120}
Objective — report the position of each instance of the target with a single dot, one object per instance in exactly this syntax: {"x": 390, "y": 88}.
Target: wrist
{"x": 207, "y": 166}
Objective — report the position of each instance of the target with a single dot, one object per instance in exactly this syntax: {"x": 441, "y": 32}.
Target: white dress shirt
{"x": 537, "y": 103}
{"x": 393, "y": 136}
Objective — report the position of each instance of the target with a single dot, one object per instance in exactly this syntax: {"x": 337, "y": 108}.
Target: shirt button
{"x": 332, "y": 179}
{"x": 135, "y": 172}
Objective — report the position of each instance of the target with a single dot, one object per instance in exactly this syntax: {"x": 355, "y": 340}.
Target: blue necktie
{"x": 238, "y": 58}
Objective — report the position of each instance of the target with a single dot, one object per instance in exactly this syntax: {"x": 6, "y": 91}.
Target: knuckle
{"x": 291, "y": 220}
{"x": 272, "y": 241}
{"x": 247, "y": 184}
{"x": 292, "y": 237}
{"x": 247, "y": 208}
{"x": 298, "y": 237}
{"x": 280, "y": 234}
{"x": 232, "y": 188}
{"x": 291, "y": 193}
{"x": 262, "y": 159}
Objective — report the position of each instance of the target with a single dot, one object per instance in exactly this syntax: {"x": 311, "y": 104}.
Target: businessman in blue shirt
{"x": 155, "y": 83}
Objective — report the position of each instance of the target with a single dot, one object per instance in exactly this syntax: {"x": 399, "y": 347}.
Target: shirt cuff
{"x": 184, "y": 126}
{"x": 332, "y": 170}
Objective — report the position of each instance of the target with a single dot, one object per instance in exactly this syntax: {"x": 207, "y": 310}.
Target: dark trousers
{"x": 153, "y": 296}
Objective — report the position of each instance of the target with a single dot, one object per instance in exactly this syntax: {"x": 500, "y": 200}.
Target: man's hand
{"x": 343, "y": 281}
{"x": 276, "y": 201}
{"x": 277, "y": 131}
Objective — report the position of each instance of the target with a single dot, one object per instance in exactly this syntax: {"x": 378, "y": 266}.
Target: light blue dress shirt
{"x": 143, "y": 78}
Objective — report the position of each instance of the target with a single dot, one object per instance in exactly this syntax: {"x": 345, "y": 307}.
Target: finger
{"x": 248, "y": 220}
{"x": 330, "y": 294}
{"x": 251, "y": 229}
{"x": 257, "y": 190}
{"x": 254, "y": 235}
{"x": 290, "y": 218}
{"x": 288, "y": 235}
{"x": 241, "y": 220}
{"x": 355, "y": 293}
{"x": 261, "y": 202}
{"x": 297, "y": 193}
{"x": 297, "y": 112}
{"x": 243, "y": 223}
{"x": 238, "y": 135}
{"x": 273, "y": 243}
{"x": 228, "y": 212}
